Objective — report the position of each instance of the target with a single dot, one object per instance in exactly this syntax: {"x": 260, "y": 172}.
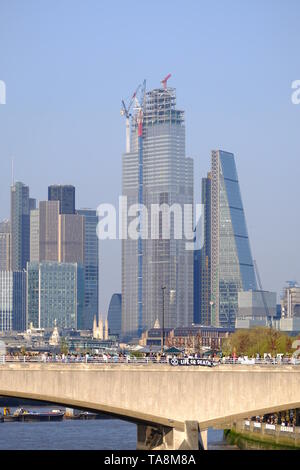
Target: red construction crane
{"x": 164, "y": 81}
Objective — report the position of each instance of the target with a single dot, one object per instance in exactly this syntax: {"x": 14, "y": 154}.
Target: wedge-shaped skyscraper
{"x": 232, "y": 268}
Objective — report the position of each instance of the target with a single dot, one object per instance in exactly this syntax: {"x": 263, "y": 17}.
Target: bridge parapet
{"x": 157, "y": 394}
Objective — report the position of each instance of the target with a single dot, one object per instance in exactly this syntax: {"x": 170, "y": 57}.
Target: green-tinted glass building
{"x": 55, "y": 291}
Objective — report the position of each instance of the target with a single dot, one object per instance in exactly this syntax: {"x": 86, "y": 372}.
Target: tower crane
{"x": 125, "y": 111}
{"x": 262, "y": 293}
{"x": 292, "y": 283}
{"x": 139, "y": 107}
{"x": 164, "y": 81}
{"x": 138, "y": 118}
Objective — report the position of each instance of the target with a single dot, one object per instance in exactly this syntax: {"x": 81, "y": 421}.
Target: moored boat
{"x": 23, "y": 415}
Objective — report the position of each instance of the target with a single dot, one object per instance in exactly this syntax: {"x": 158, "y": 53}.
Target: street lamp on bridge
{"x": 171, "y": 292}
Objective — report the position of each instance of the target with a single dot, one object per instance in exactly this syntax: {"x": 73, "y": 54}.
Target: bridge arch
{"x": 178, "y": 399}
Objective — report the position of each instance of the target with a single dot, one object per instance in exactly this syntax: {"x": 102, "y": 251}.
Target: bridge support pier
{"x": 166, "y": 438}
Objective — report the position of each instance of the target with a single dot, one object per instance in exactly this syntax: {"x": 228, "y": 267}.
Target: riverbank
{"x": 253, "y": 441}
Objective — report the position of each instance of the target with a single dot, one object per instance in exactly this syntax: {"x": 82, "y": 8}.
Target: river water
{"x": 99, "y": 434}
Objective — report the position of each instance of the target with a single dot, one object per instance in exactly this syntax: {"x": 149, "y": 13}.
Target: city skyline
{"x": 246, "y": 110}
{"x": 149, "y": 228}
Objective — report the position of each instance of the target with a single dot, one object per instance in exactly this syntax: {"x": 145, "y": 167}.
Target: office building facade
{"x": 20, "y": 226}
{"x": 71, "y": 234}
{"x": 65, "y": 194}
{"x": 255, "y": 308}
{"x": 55, "y": 293}
{"x": 44, "y": 232}
{"x": 49, "y": 231}
{"x": 32, "y": 204}
{"x": 34, "y": 235}
{"x": 165, "y": 176}
{"x": 290, "y": 302}
{"x": 12, "y": 301}
{"x": 55, "y": 236}
{"x": 232, "y": 268}
{"x": 256, "y": 304}
{"x": 91, "y": 267}
{"x": 5, "y": 238}
{"x": 114, "y": 316}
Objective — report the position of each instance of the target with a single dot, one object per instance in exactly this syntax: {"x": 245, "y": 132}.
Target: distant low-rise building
{"x": 290, "y": 309}
{"x": 290, "y": 302}
{"x": 255, "y": 308}
{"x": 289, "y": 324}
{"x": 192, "y": 337}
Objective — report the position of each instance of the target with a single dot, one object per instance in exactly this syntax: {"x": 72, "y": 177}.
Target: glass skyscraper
{"x": 165, "y": 177}
{"x": 5, "y": 238}
{"x": 65, "y": 194}
{"x": 91, "y": 267}
{"x": 12, "y": 301}
{"x": 55, "y": 291}
{"x": 114, "y": 316}
{"x": 202, "y": 259}
{"x": 20, "y": 226}
{"x": 232, "y": 268}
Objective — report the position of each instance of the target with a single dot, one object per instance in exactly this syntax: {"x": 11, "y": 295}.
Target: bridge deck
{"x": 158, "y": 393}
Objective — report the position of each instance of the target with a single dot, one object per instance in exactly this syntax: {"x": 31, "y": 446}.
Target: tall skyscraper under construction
{"x": 157, "y": 272}
{"x": 231, "y": 264}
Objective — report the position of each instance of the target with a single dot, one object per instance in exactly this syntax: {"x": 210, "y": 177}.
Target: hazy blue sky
{"x": 68, "y": 63}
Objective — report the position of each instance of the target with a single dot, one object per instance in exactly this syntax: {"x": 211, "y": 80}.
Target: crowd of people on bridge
{"x": 132, "y": 357}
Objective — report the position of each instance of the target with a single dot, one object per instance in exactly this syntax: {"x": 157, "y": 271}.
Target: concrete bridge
{"x": 172, "y": 406}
